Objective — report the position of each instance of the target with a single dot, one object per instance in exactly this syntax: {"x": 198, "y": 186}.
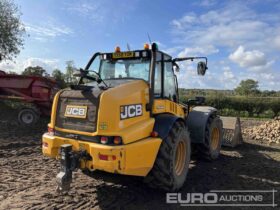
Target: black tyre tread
{"x": 35, "y": 112}
{"x": 160, "y": 176}
{"x": 204, "y": 150}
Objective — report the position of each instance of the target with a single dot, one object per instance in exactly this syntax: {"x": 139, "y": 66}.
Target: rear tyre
{"x": 171, "y": 166}
{"x": 210, "y": 149}
{"x": 28, "y": 117}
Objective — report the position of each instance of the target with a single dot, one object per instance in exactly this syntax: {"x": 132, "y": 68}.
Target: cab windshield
{"x": 125, "y": 69}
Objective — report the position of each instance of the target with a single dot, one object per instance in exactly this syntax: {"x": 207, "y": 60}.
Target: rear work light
{"x": 146, "y": 46}
{"x": 117, "y": 49}
{"x": 51, "y": 131}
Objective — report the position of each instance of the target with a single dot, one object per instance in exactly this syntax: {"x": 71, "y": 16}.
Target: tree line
{"x": 63, "y": 79}
{"x": 12, "y": 33}
{"x": 246, "y": 100}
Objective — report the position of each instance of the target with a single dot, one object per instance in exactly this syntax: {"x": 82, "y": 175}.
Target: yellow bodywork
{"x": 139, "y": 150}
{"x": 131, "y": 159}
{"x": 167, "y": 106}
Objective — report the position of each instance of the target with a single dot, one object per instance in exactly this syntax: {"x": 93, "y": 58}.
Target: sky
{"x": 240, "y": 38}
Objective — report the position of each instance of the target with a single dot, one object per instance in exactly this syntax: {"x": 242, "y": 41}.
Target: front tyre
{"x": 171, "y": 166}
{"x": 210, "y": 149}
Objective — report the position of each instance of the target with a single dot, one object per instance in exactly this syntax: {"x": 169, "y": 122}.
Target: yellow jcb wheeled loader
{"x": 124, "y": 117}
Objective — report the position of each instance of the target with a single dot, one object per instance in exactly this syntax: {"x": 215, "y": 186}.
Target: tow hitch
{"x": 70, "y": 161}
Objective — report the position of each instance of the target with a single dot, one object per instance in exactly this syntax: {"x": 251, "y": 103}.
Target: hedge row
{"x": 244, "y": 106}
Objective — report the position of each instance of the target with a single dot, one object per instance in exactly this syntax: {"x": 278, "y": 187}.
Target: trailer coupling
{"x": 70, "y": 161}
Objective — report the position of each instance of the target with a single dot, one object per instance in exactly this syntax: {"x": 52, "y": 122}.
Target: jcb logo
{"x": 129, "y": 111}
{"x": 76, "y": 111}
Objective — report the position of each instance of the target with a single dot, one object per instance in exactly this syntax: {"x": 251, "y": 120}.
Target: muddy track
{"x": 27, "y": 179}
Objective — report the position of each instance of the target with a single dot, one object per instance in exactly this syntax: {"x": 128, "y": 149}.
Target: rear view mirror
{"x": 201, "y": 68}
{"x": 176, "y": 67}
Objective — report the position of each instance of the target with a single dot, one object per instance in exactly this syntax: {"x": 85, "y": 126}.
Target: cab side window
{"x": 169, "y": 82}
{"x": 158, "y": 76}
{"x": 157, "y": 91}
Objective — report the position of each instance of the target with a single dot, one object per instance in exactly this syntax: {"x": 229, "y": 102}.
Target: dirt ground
{"x": 27, "y": 179}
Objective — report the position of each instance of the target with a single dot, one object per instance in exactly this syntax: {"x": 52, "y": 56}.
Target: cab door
{"x": 166, "y": 93}
{"x": 169, "y": 84}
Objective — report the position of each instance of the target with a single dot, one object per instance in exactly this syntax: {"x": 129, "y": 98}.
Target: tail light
{"x": 106, "y": 157}
{"x": 103, "y": 157}
{"x": 104, "y": 140}
{"x": 51, "y": 131}
{"x": 117, "y": 140}
{"x": 45, "y": 144}
{"x": 111, "y": 140}
{"x": 154, "y": 134}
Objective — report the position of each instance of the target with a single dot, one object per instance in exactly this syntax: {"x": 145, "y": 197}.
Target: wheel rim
{"x": 180, "y": 158}
{"x": 215, "y": 138}
{"x": 27, "y": 118}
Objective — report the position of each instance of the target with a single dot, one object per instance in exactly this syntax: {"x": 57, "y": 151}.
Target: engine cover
{"x": 77, "y": 109}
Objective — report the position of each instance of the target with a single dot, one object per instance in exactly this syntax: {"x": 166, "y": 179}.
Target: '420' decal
{"x": 129, "y": 111}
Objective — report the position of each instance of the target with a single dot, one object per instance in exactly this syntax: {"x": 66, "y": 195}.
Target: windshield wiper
{"x": 84, "y": 74}
{"x": 99, "y": 79}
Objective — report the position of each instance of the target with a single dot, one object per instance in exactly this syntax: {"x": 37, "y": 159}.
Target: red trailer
{"x": 35, "y": 91}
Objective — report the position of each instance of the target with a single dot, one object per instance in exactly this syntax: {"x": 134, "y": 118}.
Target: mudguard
{"x": 196, "y": 122}
{"x": 163, "y": 124}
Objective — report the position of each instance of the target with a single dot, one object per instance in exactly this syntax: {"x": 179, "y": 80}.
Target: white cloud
{"x": 227, "y": 74}
{"x": 276, "y": 41}
{"x": 207, "y": 3}
{"x": 205, "y": 50}
{"x": 84, "y": 8}
{"x": 228, "y": 79}
{"x": 235, "y": 32}
{"x": 48, "y": 64}
{"x": 254, "y": 58}
{"x": 263, "y": 68}
{"x": 187, "y": 19}
{"x": 99, "y": 12}
{"x": 267, "y": 81}
{"x": 225, "y": 78}
{"x": 87, "y": 10}
{"x": 229, "y": 26}
{"x": 45, "y": 30}
{"x": 8, "y": 66}
{"x": 215, "y": 78}
{"x": 173, "y": 50}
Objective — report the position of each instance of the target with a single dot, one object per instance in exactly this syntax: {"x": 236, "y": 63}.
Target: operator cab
{"x": 166, "y": 86}
{"x": 122, "y": 67}
{"x": 156, "y": 68}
